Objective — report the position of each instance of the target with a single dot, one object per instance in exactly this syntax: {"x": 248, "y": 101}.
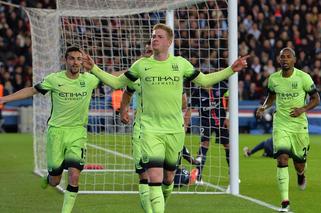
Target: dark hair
{"x": 71, "y": 49}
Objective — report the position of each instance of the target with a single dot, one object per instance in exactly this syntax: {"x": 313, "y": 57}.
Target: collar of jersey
{"x": 170, "y": 57}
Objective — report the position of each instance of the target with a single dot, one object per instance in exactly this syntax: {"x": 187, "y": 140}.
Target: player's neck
{"x": 71, "y": 75}
{"x": 287, "y": 72}
{"x": 161, "y": 56}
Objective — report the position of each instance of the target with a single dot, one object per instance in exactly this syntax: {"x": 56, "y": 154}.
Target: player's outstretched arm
{"x": 215, "y": 77}
{"x": 21, "y": 94}
{"x": 108, "y": 79}
{"x": 125, "y": 101}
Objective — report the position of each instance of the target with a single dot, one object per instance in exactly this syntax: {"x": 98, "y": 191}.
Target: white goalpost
{"x": 114, "y": 33}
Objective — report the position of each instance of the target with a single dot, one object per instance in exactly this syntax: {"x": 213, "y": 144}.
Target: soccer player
{"x": 289, "y": 88}
{"x": 70, "y": 93}
{"x": 136, "y": 144}
{"x": 212, "y": 105}
{"x": 162, "y": 128}
{"x": 267, "y": 145}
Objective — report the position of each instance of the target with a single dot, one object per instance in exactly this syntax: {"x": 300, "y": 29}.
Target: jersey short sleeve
{"x": 189, "y": 71}
{"x": 47, "y": 84}
{"x": 133, "y": 72}
{"x": 308, "y": 84}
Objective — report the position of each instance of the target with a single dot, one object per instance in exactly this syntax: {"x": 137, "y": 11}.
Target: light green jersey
{"x": 290, "y": 93}
{"x": 70, "y": 98}
{"x": 161, "y": 92}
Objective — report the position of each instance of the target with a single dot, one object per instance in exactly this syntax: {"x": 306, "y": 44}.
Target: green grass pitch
{"x": 20, "y": 188}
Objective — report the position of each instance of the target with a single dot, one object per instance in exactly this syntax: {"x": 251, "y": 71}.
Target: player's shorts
{"x": 208, "y": 126}
{"x": 161, "y": 150}
{"x": 137, "y": 150}
{"x": 66, "y": 147}
{"x": 296, "y": 145}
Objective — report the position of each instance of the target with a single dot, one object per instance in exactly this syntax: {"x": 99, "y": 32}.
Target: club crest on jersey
{"x": 174, "y": 67}
{"x": 82, "y": 84}
{"x": 294, "y": 85}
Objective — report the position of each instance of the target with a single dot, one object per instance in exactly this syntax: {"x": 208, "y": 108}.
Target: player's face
{"x": 287, "y": 60}
{"x": 74, "y": 62}
{"x": 160, "y": 41}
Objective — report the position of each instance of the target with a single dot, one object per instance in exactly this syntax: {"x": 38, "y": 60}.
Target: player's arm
{"x": 187, "y": 111}
{"x": 124, "y": 106}
{"x": 314, "y": 101}
{"x": 21, "y": 94}
{"x": 118, "y": 73}
{"x": 267, "y": 104}
{"x": 210, "y": 79}
{"x": 116, "y": 82}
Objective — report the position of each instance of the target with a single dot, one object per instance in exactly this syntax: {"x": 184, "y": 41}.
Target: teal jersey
{"x": 161, "y": 92}
{"x": 70, "y": 98}
{"x": 290, "y": 93}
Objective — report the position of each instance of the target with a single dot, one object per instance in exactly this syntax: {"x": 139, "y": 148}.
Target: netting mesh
{"x": 115, "y": 38}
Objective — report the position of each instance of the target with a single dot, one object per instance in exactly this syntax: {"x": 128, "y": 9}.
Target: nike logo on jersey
{"x": 60, "y": 85}
{"x": 147, "y": 68}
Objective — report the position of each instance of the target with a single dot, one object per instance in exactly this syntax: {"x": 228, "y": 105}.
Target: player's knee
{"x": 54, "y": 180}
{"x": 73, "y": 178}
{"x": 169, "y": 176}
{"x": 282, "y": 160}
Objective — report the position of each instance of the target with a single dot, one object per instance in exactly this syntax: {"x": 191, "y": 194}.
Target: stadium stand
{"x": 264, "y": 28}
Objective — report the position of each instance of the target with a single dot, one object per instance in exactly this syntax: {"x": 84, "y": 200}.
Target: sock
{"x": 69, "y": 199}
{"x": 227, "y": 156}
{"x": 201, "y": 152}
{"x": 187, "y": 155}
{"x": 257, "y": 147}
{"x": 167, "y": 190}
{"x": 144, "y": 196}
{"x": 156, "y": 197}
{"x": 283, "y": 181}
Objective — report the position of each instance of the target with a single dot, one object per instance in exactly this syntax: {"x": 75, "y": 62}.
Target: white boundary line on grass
{"x": 110, "y": 151}
{"x": 259, "y": 202}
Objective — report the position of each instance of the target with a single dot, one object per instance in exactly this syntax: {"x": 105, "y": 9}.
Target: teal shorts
{"x": 66, "y": 147}
{"x": 161, "y": 150}
{"x": 136, "y": 146}
{"x": 296, "y": 145}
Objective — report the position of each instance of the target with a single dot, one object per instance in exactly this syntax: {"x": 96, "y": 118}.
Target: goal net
{"x": 114, "y": 33}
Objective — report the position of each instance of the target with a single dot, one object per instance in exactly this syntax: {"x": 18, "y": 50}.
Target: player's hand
{"x": 296, "y": 112}
{"x": 124, "y": 116}
{"x": 260, "y": 112}
{"x": 240, "y": 63}
{"x": 88, "y": 63}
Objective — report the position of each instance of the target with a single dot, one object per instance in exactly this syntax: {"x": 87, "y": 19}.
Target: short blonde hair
{"x": 166, "y": 28}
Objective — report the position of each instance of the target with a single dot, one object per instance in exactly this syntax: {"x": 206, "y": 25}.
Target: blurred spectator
{"x": 264, "y": 28}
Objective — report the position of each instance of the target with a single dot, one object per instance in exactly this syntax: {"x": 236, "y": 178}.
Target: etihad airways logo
{"x": 72, "y": 95}
{"x": 288, "y": 96}
{"x": 162, "y": 80}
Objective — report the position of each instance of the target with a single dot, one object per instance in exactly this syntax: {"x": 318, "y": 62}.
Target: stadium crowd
{"x": 264, "y": 28}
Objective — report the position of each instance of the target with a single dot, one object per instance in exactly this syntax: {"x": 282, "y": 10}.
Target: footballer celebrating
{"x": 161, "y": 121}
